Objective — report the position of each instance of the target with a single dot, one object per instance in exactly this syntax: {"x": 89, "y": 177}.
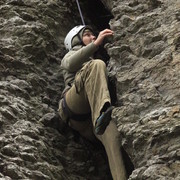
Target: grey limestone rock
{"x": 31, "y": 48}
{"x": 145, "y": 53}
{"x": 144, "y": 57}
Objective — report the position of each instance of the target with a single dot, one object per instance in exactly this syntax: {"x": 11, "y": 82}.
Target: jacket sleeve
{"x": 74, "y": 60}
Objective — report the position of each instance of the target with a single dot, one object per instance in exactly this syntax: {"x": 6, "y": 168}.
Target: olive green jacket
{"x": 74, "y": 60}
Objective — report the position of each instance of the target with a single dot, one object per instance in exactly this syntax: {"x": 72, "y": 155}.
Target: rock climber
{"x": 86, "y": 103}
{"x": 86, "y": 93}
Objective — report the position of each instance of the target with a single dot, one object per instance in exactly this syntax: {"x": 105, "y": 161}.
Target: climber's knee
{"x": 98, "y": 62}
{"x": 94, "y": 65}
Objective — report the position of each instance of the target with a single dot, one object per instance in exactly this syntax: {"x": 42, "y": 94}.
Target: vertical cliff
{"x": 144, "y": 56}
{"x": 31, "y": 48}
{"x": 146, "y": 60}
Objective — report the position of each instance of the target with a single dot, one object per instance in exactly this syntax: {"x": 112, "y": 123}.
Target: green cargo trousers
{"x": 90, "y": 90}
{"x": 89, "y": 93}
{"x": 112, "y": 143}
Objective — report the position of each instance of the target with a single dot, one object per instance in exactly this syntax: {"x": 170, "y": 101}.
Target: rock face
{"x": 31, "y": 47}
{"x": 145, "y": 59}
{"x": 145, "y": 55}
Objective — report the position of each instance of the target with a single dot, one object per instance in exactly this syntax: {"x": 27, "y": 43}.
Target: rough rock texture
{"x": 145, "y": 55}
{"x": 145, "y": 59}
{"x": 31, "y": 47}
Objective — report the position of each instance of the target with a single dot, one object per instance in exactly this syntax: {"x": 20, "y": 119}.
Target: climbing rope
{"x": 80, "y": 12}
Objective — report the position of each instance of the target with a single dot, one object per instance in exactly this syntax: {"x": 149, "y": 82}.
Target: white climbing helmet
{"x": 72, "y": 33}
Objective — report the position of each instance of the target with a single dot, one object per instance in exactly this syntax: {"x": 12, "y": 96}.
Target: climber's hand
{"x": 102, "y": 35}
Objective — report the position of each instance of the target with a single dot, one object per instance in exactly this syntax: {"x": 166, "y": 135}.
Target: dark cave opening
{"x": 97, "y": 13}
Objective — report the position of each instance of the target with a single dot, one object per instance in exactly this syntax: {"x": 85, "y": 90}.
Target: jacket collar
{"x": 77, "y": 47}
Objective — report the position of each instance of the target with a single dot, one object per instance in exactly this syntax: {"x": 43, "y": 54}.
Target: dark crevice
{"x": 97, "y": 13}
{"x": 127, "y": 162}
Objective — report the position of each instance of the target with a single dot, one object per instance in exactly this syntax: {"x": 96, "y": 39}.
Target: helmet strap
{"x": 80, "y": 40}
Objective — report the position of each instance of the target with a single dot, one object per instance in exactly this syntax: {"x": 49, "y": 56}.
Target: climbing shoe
{"x": 103, "y": 121}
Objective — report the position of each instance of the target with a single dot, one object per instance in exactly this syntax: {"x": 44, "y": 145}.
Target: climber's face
{"x": 88, "y": 37}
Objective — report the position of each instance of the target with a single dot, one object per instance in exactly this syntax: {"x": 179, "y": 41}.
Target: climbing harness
{"x": 80, "y": 12}
{"x": 72, "y": 115}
